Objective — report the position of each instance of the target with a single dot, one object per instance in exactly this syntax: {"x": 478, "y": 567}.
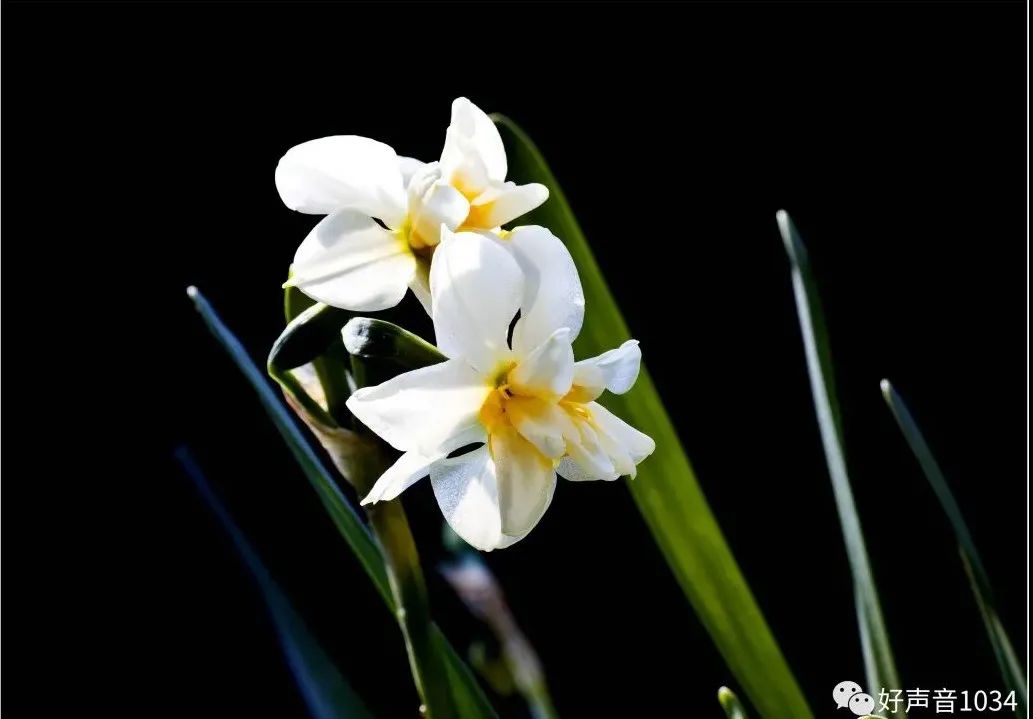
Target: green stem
{"x": 391, "y": 528}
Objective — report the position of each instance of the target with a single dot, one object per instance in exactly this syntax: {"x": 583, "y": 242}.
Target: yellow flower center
{"x": 493, "y": 411}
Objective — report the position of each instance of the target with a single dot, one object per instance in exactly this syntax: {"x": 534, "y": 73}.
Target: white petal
{"x": 542, "y": 423}
{"x": 408, "y": 166}
{"x": 476, "y": 288}
{"x": 405, "y": 472}
{"x": 423, "y": 409}
{"x": 350, "y": 261}
{"x": 413, "y": 466}
{"x": 548, "y": 370}
{"x": 467, "y": 493}
{"x": 503, "y": 203}
{"x": 420, "y": 283}
{"x": 615, "y": 370}
{"x": 587, "y": 459}
{"x": 637, "y": 445}
{"x": 525, "y": 478}
{"x": 553, "y": 297}
{"x": 508, "y": 541}
{"x": 473, "y": 155}
{"x": 432, "y": 203}
{"x": 344, "y": 171}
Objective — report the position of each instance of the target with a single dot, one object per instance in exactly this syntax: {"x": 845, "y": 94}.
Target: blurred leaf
{"x": 878, "y": 656}
{"x": 730, "y": 703}
{"x": 467, "y": 694}
{"x": 666, "y": 489}
{"x": 1011, "y": 670}
{"x": 327, "y": 694}
{"x": 376, "y": 339}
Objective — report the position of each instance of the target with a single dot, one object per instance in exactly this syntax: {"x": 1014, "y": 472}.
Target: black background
{"x": 138, "y": 151}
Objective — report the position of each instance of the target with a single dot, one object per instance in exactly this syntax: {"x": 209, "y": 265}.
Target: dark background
{"x": 138, "y": 151}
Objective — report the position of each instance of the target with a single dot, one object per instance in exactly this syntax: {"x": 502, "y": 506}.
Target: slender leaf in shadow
{"x": 1007, "y": 660}
{"x": 468, "y": 697}
{"x": 327, "y": 694}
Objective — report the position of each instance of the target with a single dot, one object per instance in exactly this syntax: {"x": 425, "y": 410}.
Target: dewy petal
{"x": 542, "y": 423}
{"x": 433, "y": 203}
{"x": 548, "y": 370}
{"x": 413, "y": 466}
{"x": 424, "y": 409}
{"x": 344, "y": 171}
{"x": 508, "y": 541}
{"x": 615, "y": 370}
{"x": 476, "y": 288}
{"x": 553, "y": 297}
{"x": 525, "y": 480}
{"x": 467, "y": 493}
{"x": 405, "y": 472}
{"x": 473, "y": 156}
{"x": 504, "y": 203}
{"x": 350, "y": 261}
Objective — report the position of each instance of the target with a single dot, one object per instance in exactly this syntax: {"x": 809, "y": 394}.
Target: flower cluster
{"x": 506, "y": 307}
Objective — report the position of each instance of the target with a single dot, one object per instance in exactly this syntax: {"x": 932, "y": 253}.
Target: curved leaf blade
{"x": 880, "y": 668}
{"x": 666, "y": 490}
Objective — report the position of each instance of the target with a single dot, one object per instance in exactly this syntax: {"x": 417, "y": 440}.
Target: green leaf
{"x": 326, "y": 693}
{"x": 379, "y": 340}
{"x": 880, "y": 669}
{"x": 730, "y": 703}
{"x": 469, "y": 698}
{"x": 1011, "y": 669}
{"x": 336, "y": 504}
{"x": 666, "y": 489}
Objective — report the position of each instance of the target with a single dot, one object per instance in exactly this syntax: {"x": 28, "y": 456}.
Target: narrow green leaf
{"x": 326, "y": 693}
{"x": 468, "y": 696}
{"x": 376, "y": 339}
{"x": 878, "y": 656}
{"x": 666, "y": 489}
{"x": 730, "y": 703}
{"x": 336, "y": 504}
{"x": 1011, "y": 669}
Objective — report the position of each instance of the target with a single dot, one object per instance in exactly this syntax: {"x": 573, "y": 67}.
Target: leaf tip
{"x": 790, "y": 238}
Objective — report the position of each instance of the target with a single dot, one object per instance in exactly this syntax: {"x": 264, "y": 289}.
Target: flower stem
{"x": 391, "y": 528}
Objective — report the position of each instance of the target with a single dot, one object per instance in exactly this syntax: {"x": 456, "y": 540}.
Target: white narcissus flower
{"x": 384, "y": 213}
{"x": 530, "y": 404}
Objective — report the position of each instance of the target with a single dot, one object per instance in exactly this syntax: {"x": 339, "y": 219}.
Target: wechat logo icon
{"x": 848, "y": 695}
